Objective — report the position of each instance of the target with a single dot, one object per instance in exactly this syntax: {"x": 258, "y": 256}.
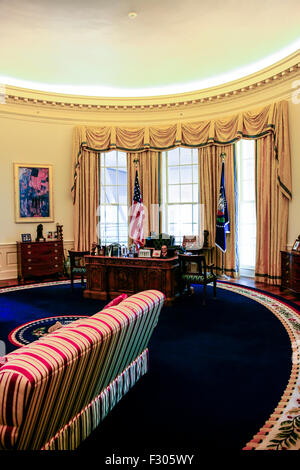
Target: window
{"x": 245, "y": 152}
{"x": 180, "y": 193}
{"x": 113, "y": 212}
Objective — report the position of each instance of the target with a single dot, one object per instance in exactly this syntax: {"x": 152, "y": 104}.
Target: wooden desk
{"x": 108, "y": 277}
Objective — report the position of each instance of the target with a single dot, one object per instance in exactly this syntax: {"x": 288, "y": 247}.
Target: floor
{"x": 286, "y": 294}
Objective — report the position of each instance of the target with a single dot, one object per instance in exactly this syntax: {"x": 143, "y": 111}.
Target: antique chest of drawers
{"x": 290, "y": 271}
{"x": 37, "y": 259}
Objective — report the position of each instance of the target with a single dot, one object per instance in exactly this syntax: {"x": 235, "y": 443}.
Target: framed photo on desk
{"x": 156, "y": 253}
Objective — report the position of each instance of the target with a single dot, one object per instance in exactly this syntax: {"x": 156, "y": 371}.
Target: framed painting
{"x": 33, "y": 192}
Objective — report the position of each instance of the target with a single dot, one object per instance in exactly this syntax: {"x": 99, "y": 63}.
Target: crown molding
{"x": 83, "y": 108}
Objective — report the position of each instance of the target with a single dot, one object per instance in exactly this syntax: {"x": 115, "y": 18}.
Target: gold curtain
{"x": 87, "y": 199}
{"x": 210, "y": 165}
{"x": 269, "y": 124}
{"x": 271, "y": 119}
{"x": 148, "y": 168}
{"x": 271, "y": 213}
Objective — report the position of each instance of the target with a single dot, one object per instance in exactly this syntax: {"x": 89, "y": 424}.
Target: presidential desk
{"x": 109, "y": 276}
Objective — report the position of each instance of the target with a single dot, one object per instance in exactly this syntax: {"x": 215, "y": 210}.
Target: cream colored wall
{"x": 33, "y": 141}
{"x": 37, "y": 127}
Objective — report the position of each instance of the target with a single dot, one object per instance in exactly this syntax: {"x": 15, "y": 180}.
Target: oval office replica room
{"x": 150, "y": 231}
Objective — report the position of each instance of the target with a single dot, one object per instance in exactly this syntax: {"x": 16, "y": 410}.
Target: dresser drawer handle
{"x": 29, "y": 252}
{"x": 29, "y": 259}
{"x": 56, "y": 266}
{"x": 56, "y": 257}
{"x": 55, "y": 244}
{"x": 55, "y": 251}
{"x": 29, "y": 267}
{"x": 28, "y": 246}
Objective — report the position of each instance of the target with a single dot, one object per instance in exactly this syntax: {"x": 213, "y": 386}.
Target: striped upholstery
{"x": 46, "y": 384}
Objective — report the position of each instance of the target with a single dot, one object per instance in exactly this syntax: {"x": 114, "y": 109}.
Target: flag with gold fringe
{"x": 137, "y": 216}
{"x": 223, "y": 226}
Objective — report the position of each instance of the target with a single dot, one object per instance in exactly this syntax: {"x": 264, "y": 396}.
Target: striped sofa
{"x": 55, "y": 391}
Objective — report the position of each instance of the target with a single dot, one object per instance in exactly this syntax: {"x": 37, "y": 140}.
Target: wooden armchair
{"x": 77, "y": 265}
{"x": 204, "y": 274}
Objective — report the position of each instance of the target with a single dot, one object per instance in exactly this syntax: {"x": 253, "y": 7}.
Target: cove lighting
{"x": 104, "y": 91}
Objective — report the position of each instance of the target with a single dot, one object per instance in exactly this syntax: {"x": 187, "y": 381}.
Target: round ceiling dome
{"x": 94, "y": 48}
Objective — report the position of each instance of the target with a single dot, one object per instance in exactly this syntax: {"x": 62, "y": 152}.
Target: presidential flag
{"x": 222, "y": 215}
{"x": 137, "y": 216}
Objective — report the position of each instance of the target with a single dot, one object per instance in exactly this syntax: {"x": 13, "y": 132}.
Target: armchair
{"x": 77, "y": 264}
{"x": 203, "y": 276}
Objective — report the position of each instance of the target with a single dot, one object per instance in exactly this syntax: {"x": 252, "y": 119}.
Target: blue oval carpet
{"x": 222, "y": 377}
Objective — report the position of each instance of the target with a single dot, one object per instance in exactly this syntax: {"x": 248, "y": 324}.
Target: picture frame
{"x": 26, "y": 237}
{"x": 192, "y": 242}
{"x": 144, "y": 253}
{"x": 296, "y": 246}
{"x": 156, "y": 253}
{"x": 33, "y": 186}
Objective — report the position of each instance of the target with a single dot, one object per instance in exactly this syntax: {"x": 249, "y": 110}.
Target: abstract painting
{"x": 33, "y": 192}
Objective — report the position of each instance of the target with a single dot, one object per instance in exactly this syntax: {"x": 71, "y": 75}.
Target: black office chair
{"x": 77, "y": 265}
{"x": 203, "y": 276}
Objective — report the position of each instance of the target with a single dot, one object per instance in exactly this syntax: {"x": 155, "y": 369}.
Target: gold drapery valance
{"x": 271, "y": 119}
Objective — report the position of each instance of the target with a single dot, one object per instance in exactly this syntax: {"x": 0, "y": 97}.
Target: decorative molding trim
{"x": 279, "y": 72}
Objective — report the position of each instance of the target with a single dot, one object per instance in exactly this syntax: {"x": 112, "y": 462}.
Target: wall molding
{"x": 264, "y": 85}
{"x": 8, "y": 259}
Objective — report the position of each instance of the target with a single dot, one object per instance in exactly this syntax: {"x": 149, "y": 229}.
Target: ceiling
{"x": 92, "y": 47}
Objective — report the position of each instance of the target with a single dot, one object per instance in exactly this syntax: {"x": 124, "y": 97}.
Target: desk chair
{"x": 77, "y": 265}
{"x": 203, "y": 276}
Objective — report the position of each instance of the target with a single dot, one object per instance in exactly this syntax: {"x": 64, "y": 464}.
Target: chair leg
{"x": 215, "y": 288}
{"x": 204, "y": 295}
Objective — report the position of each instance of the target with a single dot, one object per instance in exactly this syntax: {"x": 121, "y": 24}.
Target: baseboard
{"x": 9, "y": 263}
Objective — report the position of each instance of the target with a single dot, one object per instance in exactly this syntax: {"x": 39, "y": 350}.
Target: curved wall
{"x": 36, "y": 127}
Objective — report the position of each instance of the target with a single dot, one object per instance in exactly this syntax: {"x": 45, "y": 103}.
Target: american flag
{"x": 137, "y": 216}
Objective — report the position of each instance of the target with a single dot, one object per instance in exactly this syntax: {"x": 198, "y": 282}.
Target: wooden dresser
{"x": 37, "y": 259}
{"x": 290, "y": 271}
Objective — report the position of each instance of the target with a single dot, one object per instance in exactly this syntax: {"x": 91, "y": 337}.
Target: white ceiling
{"x": 171, "y": 46}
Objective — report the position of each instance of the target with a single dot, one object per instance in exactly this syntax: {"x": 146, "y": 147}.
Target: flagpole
{"x": 223, "y": 275}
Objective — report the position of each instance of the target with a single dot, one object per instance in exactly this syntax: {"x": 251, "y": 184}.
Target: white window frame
{"x": 165, "y": 186}
{"x": 245, "y": 270}
{"x": 103, "y": 204}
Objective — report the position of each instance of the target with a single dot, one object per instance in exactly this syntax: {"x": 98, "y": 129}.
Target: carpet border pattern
{"x": 282, "y": 430}
{"x": 33, "y": 286}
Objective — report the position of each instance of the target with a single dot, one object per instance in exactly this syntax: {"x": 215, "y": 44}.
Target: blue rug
{"x": 26, "y": 304}
{"x": 216, "y": 373}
